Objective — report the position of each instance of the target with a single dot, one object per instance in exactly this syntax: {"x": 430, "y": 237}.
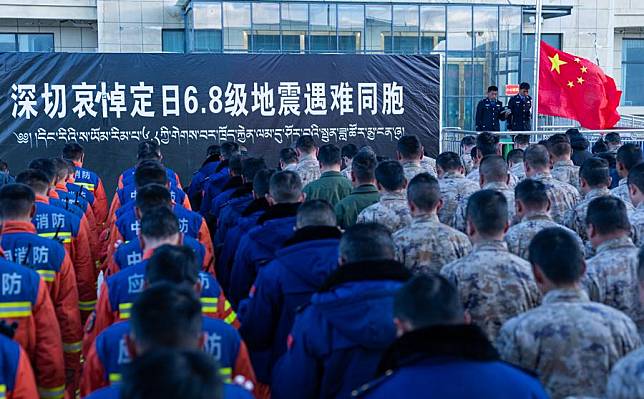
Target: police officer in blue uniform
{"x": 520, "y": 106}
{"x": 489, "y": 112}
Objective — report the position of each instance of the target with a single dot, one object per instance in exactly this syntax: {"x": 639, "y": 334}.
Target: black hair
{"x": 235, "y": 165}
{"x": 532, "y": 193}
{"x": 468, "y": 140}
{"x": 367, "y": 242}
{"x": 73, "y": 151}
{"x": 426, "y": 301}
{"x": 608, "y": 215}
{"x": 613, "y": 138}
{"x": 556, "y": 252}
{"x": 492, "y": 88}
{"x": 159, "y": 223}
{"x": 494, "y": 168}
{"x": 250, "y": 167}
{"x": 316, "y": 213}
{"x": 636, "y": 176}
{"x": 487, "y": 143}
{"x": 329, "y": 155}
{"x": 537, "y": 156}
{"x": 522, "y": 139}
{"x": 285, "y": 187}
{"x": 410, "y": 147}
{"x": 449, "y": 161}
{"x": 363, "y": 166}
{"x": 150, "y": 173}
{"x": 305, "y": 143}
{"x": 559, "y": 145}
{"x": 36, "y": 179}
{"x": 599, "y": 146}
{"x": 424, "y": 191}
{"x": 16, "y": 200}
{"x": 176, "y": 264}
{"x": 349, "y": 150}
{"x": 487, "y": 210}
{"x": 524, "y": 86}
{"x": 62, "y": 168}
{"x": 288, "y": 155}
{"x": 213, "y": 150}
{"x": 390, "y": 175}
{"x": 595, "y": 172}
{"x": 629, "y": 155}
{"x": 228, "y": 149}
{"x": 474, "y": 152}
{"x": 148, "y": 150}
{"x": 152, "y": 196}
{"x": 515, "y": 156}
{"x": 261, "y": 182}
{"x": 44, "y": 165}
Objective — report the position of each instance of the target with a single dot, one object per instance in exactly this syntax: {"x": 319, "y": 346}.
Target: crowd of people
{"x": 339, "y": 273}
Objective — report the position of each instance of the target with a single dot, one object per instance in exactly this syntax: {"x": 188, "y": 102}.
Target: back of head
{"x": 363, "y": 166}
{"x": 315, "y": 213}
{"x": 487, "y": 210}
{"x": 36, "y": 179}
{"x": 426, "y": 301}
{"x": 629, "y": 155}
{"x": 636, "y": 176}
{"x": 599, "y": 146}
{"x": 556, "y": 252}
{"x": 532, "y": 194}
{"x": 474, "y": 153}
{"x": 62, "y": 168}
{"x": 213, "y": 150}
{"x": 228, "y": 149}
{"x": 365, "y": 242}
{"x": 522, "y": 139}
{"x": 306, "y": 144}
{"x": 150, "y": 172}
{"x": 250, "y": 167}
{"x": 159, "y": 223}
{"x": 595, "y": 172}
{"x": 288, "y": 155}
{"x": 487, "y": 143}
{"x": 390, "y": 175}
{"x": 559, "y": 145}
{"x": 409, "y": 147}
{"x": 608, "y": 215}
{"x": 73, "y": 151}
{"x": 235, "y": 165}
{"x": 4, "y": 166}
{"x": 493, "y": 168}
{"x": 524, "y": 86}
{"x": 148, "y": 150}
{"x": 329, "y": 155}
{"x": 285, "y": 187}
{"x": 44, "y": 165}
{"x": 175, "y": 264}
{"x": 613, "y": 139}
{"x": 515, "y": 156}
{"x": 424, "y": 192}
{"x": 16, "y": 201}
{"x": 261, "y": 182}
{"x": 152, "y": 196}
{"x": 468, "y": 141}
{"x": 349, "y": 150}
{"x": 449, "y": 161}
{"x": 166, "y": 316}
{"x": 537, "y": 157}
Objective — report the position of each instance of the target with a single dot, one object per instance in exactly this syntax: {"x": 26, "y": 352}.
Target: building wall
{"x": 73, "y": 37}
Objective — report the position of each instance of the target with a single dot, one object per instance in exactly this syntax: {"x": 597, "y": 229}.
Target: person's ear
{"x": 538, "y": 275}
{"x": 269, "y": 199}
{"x": 507, "y": 226}
{"x": 549, "y": 205}
{"x": 342, "y": 260}
{"x": 610, "y": 181}
{"x": 461, "y": 170}
{"x": 592, "y": 231}
{"x": 518, "y": 205}
{"x": 302, "y": 197}
{"x": 378, "y": 186}
{"x": 131, "y": 345}
{"x": 32, "y": 212}
{"x": 439, "y": 206}
{"x": 198, "y": 287}
{"x": 353, "y": 177}
{"x": 137, "y": 213}
{"x": 470, "y": 229}
{"x": 481, "y": 180}
{"x": 467, "y": 317}
{"x": 583, "y": 268}
{"x": 398, "y": 156}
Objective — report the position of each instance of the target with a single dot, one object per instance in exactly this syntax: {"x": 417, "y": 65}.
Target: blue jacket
{"x": 258, "y": 246}
{"x": 198, "y": 178}
{"x": 113, "y": 392}
{"x": 128, "y": 193}
{"x": 337, "y": 341}
{"x": 213, "y": 185}
{"x": 127, "y": 177}
{"x": 297, "y": 272}
{"x": 73, "y": 198}
{"x": 450, "y": 361}
{"x": 82, "y": 191}
{"x": 234, "y": 184}
{"x": 55, "y": 223}
{"x": 130, "y": 253}
{"x": 129, "y": 225}
{"x": 10, "y": 367}
{"x": 228, "y": 217}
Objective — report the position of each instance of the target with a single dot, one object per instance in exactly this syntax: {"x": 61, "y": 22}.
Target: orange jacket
{"x": 100, "y": 203}
{"x": 24, "y": 386}
{"x": 90, "y": 219}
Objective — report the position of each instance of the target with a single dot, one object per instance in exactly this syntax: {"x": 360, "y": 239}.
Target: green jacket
{"x": 348, "y": 209}
{"x": 331, "y": 186}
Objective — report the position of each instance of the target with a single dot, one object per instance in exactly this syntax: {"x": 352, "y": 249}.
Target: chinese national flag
{"x": 575, "y": 88}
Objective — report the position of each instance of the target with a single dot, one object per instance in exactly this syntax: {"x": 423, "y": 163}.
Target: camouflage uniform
{"x": 570, "y": 342}
{"x": 454, "y": 187}
{"x": 475, "y": 176}
{"x": 575, "y": 218}
{"x": 427, "y": 244}
{"x": 493, "y": 284}
{"x": 563, "y": 196}
{"x": 611, "y": 276}
{"x": 308, "y": 168}
{"x": 518, "y": 171}
{"x": 567, "y": 172}
{"x": 291, "y": 167}
{"x": 391, "y": 210}
{"x": 346, "y": 172}
{"x": 637, "y": 224}
{"x": 519, "y": 236}
{"x": 468, "y": 164}
{"x": 626, "y": 381}
{"x": 429, "y": 164}
{"x": 460, "y": 217}
{"x": 412, "y": 169}
{"x": 621, "y": 191}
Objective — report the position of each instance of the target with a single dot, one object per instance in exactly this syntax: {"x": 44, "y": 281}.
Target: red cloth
{"x": 575, "y": 88}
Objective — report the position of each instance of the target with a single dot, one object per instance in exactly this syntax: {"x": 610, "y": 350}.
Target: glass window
{"x": 459, "y": 28}
{"x": 432, "y": 28}
{"x": 527, "y": 50}
{"x": 207, "y": 40}
{"x": 295, "y": 22}
{"x": 322, "y": 28}
{"x": 173, "y": 40}
{"x": 350, "y": 28}
{"x": 510, "y": 28}
{"x": 36, "y": 42}
{"x": 236, "y": 26}
{"x": 207, "y": 27}
{"x": 486, "y": 25}
{"x": 405, "y": 29}
{"x": 7, "y": 42}
{"x": 266, "y": 28}
{"x": 378, "y": 28}
{"x": 633, "y": 71}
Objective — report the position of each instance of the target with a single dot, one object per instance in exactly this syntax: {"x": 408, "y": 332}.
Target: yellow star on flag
{"x": 556, "y": 63}
{"x": 570, "y": 84}
{"x": 577, "y": 60}
{"x": 580, "y": 80}
{"x": 584, "y": 69}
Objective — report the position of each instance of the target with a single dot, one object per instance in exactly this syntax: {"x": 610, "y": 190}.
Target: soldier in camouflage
{"x": 486, "y": 144}
{"x": 391, "y": 210}
{"x": 636, "y": 192}
{"x": 410, "y": 154}
{"x": 308, "y": 166}
{"x": 532, "y": 209}
{"x": 563, "y": 196}
{"x": 453, "y": 184}
{"x": 628, "y": 156}
{"x": 427, "y": 244}
{"x": 515, "y": 163}
{"x": 570, "y": 342}
{"x": 468, "y": 143}
{"x": 348, "y": 152}
{"x": 493, "y": 284}
{"x": 562, "y": 167}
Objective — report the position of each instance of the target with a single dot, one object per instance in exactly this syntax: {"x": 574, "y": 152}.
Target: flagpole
{"x": 537, "y": 57}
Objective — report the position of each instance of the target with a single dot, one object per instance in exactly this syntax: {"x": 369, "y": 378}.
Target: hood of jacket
{"x": 279, "y": 211}
{"x": 256, "y": 205}
{"x": 244, "y": 190}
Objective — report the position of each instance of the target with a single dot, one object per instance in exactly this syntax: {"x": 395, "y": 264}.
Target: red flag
{"x": 575, "y": 88}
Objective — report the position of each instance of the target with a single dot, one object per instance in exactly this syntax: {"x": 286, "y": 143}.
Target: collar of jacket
{"x": 565, "y": 295}
{"x": 42, "y": 199}
{"x": 331, "y": 173}
{"x": 495, "y": 185}
{"x": 365, "y": 189}
{"x": 491, "y": 245}
{"x": 462, "y": 341}
{"x": 279, "y": 211}
{"x": 14, "y": 226}
{"x": 256, "y": 205}
{"x": 222, "y": 164}
{"x": 453, "y": 175}
{"x": 243, "y": 190}
{"x": 597, "y": 192}
{"x": 61, "y": 186}
{"x": 233, "y": 182}
{"x": 312, "y": 233}
{"x": 537, "y": 215}
{"x": 366, "y": 271}
{"x": 615, "y": 243}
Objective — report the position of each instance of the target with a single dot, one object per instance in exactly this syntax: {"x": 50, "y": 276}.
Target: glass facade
{"x": 633, "y": 72}
{"x": 27, "y": 42}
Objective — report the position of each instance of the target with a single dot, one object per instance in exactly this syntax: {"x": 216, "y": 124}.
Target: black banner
{"x": 111, "y": 102}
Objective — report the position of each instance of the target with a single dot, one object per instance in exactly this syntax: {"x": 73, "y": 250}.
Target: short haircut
{"x": 487, "y": 143}
{"x": 251, "y": 166}
{"x": 16, "y": 201}
{"x": 288, "y": 155}
{"x": 367, "y": 242}
{"x": 636, "y": 176}
{"x": 150, "y": 173}
{"x": 424, "y": 191}
{"x": 532, "y": 193}
{"x": 608, "y": 215}
{"x": 487, "y": 210}
{"x": 349, "y": 150}
{"x": 305, "y": 143}
{"x": 629, "y": 155}
{"x": 428, "y": 300}
{"x": 613, "y": 138}
{"x": 494, "y": 168}
{"x": 261, "y": 182}
{"x": 152, "y": 196}
{"x": 449, "y": 161}
{"x": 559, "y": 145}
{"x": 36, "y": 179}
{"x": 522, "y": 139}
{"x": 316, "y": 213}
{"x": 524, "y": 86}
{"x": 176, "y": 264}
{"x": 62, "y": 168}
{"x": 390, "y": 175}
{"x": 148, "y": 150}
{"x": 170, "y": 374}
{"x": 468, "y": 141}
{"x": 44, "y": 165}
{"x": 228, "y": 149}
{"x": 595, "y": 171}
{"x": 213, "y": 150}
{"x": 235, "y": 165}
{"x": 285, "y": 187}
{"x": 410, "y": 147}
{"x": 515, "y": 156}
{"x": 556, "y": 252}
{"x": 363, "y": 166}
{"x": 492, "y": 88}
{"x": 599, "y": 146}
{"x": 73, "y": 151}
{"x": 4, "y": 166}
{"x": 329, "y": 155}
{"x": 474, "y": 152}
{"x": 537, "y": 156}
{"x": 166, "y": 316}
{"x": 159, "y": 223}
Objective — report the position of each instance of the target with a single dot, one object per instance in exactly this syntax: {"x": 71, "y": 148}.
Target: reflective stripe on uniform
{"x": 3, "y": 391}
{"x": 86, "y": 306}
{"x": 209, "y": 304}
{"x": 88, "y": 186}
{"x": 227, "y": 306}
{"x": 47, "y": 275}
{"x": 65, "y": 236}
{"x": 124, "y": 310}
{"x": 115, "y": 377}
{"x": 231, "y": 318}
{"x": 15, "y": 309}
{"x": 73, "y": 347}
{"x": 52, "y": 393}
{"x": 226, "y": 373}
